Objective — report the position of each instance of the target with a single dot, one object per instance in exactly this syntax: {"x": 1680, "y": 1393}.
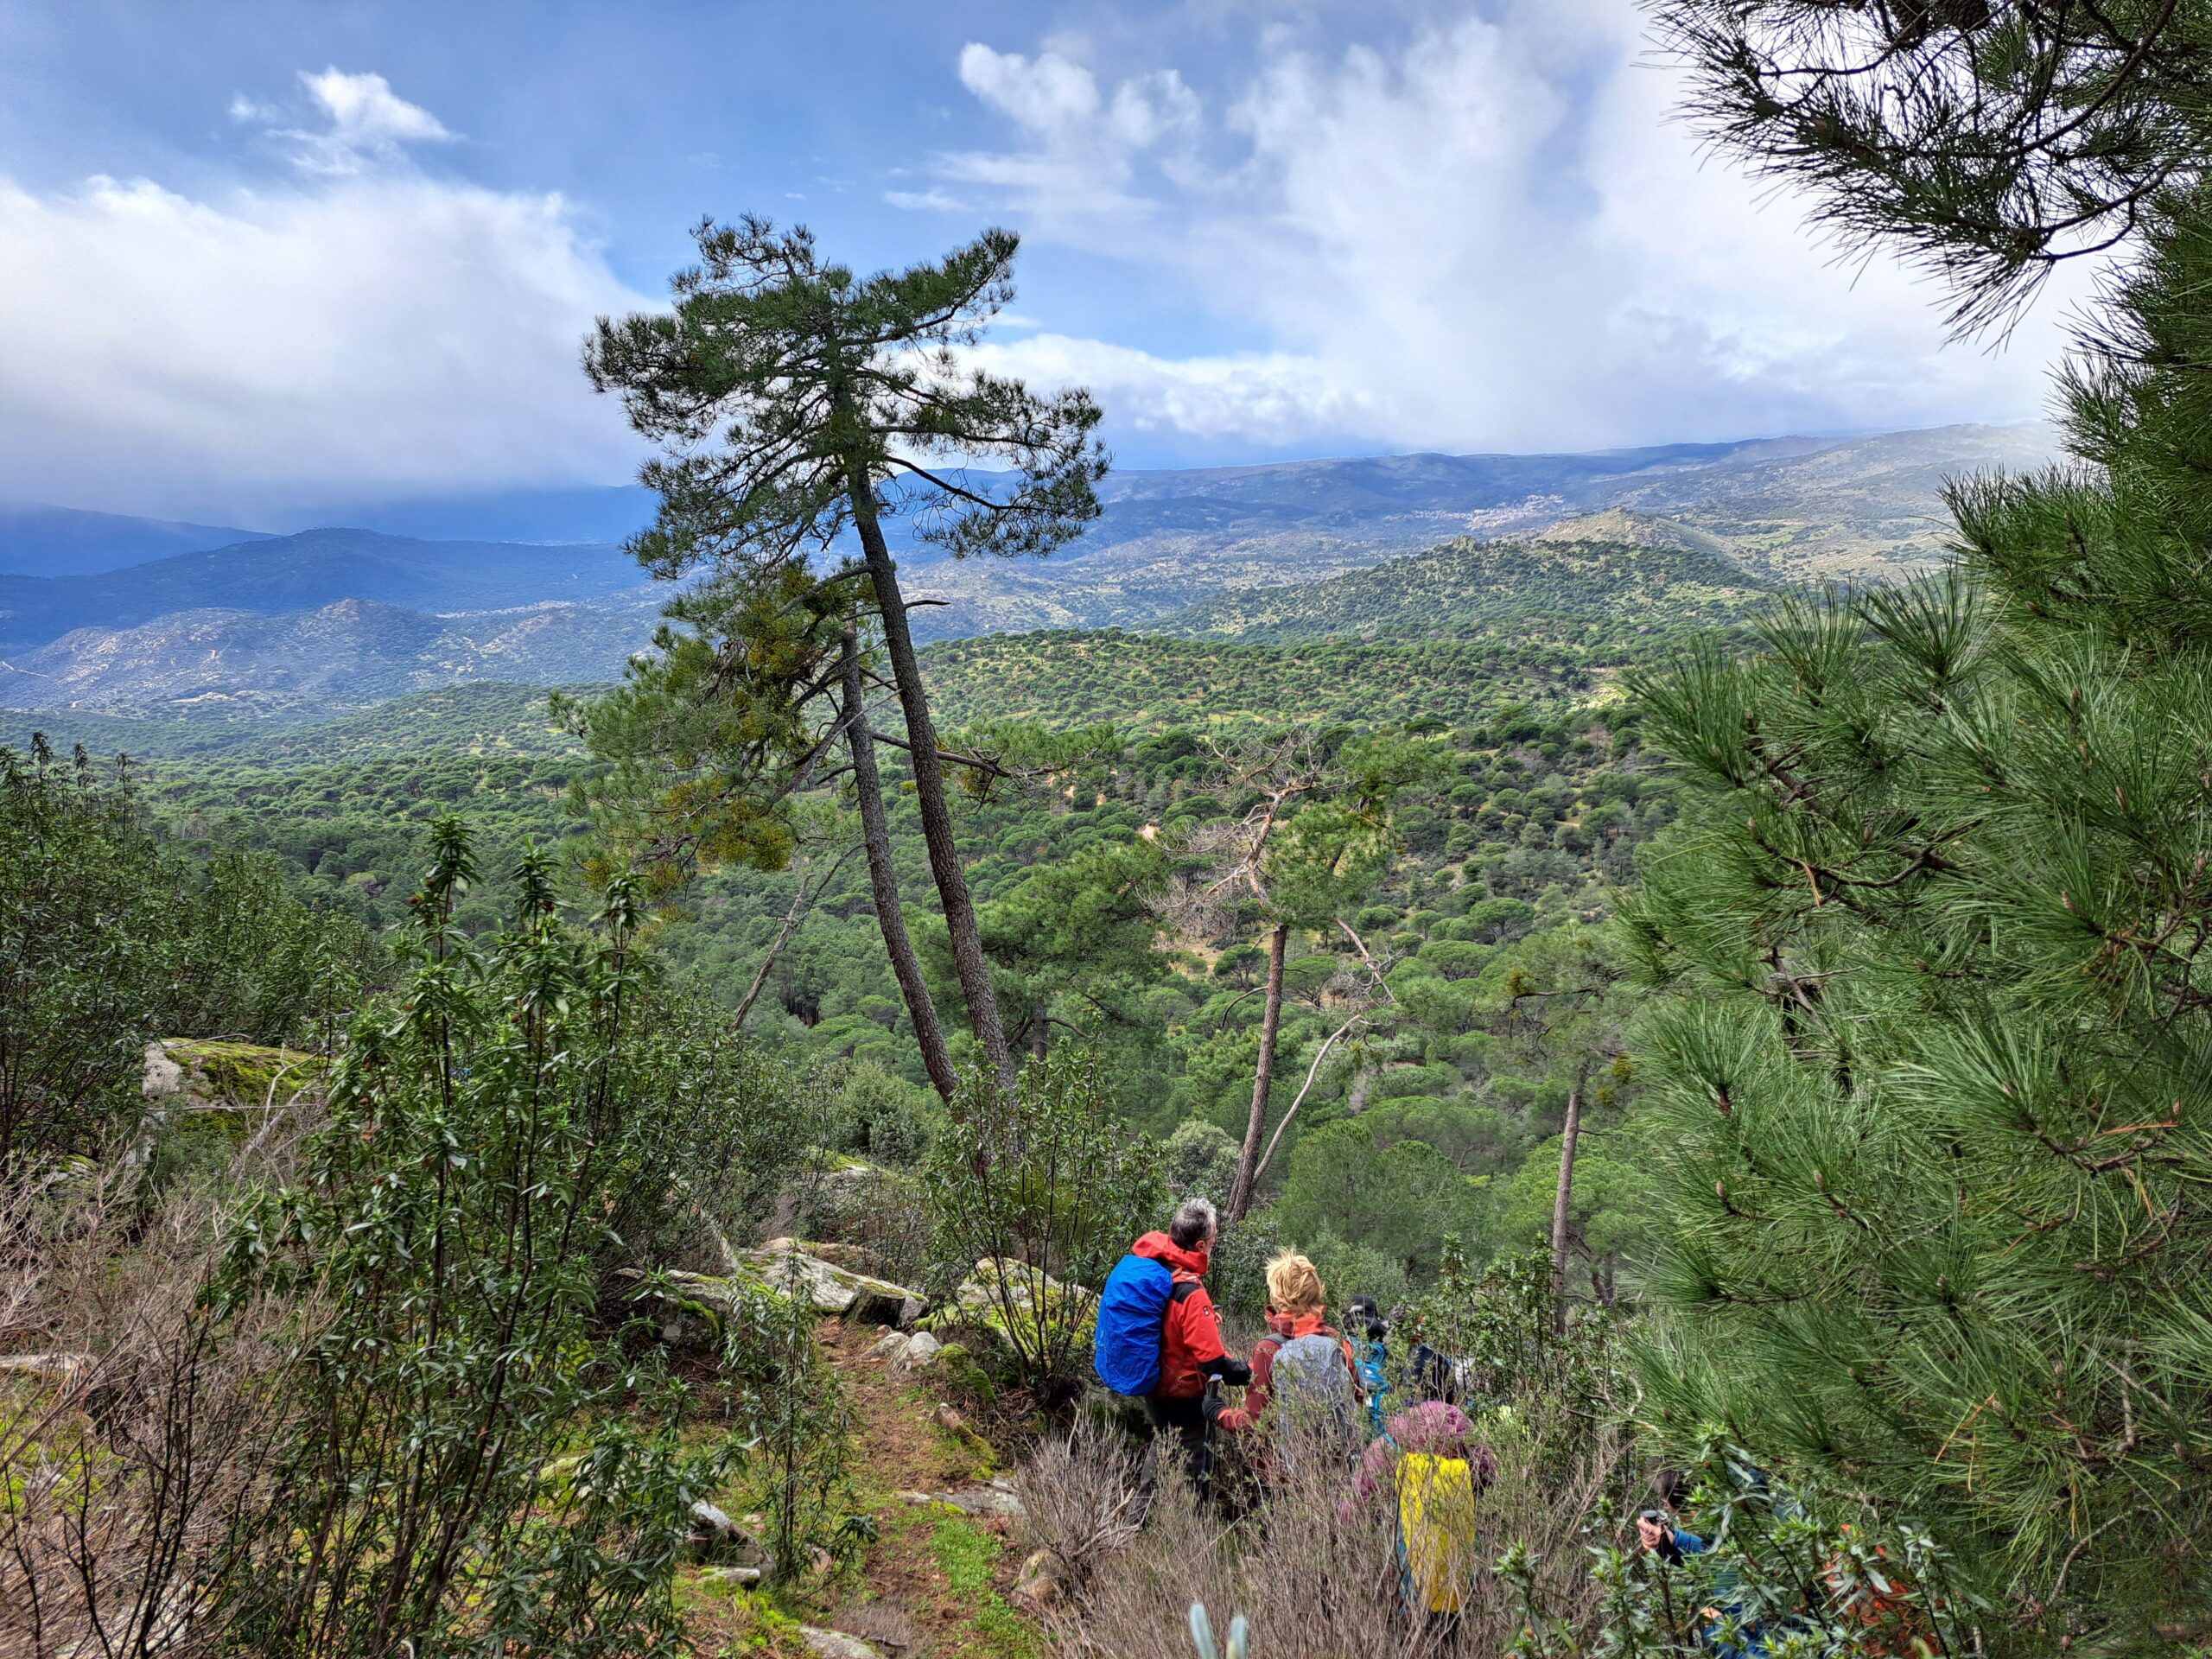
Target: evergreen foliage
{"x": 796, "y": 404}
{"x": 109, "y": 940}
{"x": 1932, "y": 1090}
{"x": 445, "y": 1247}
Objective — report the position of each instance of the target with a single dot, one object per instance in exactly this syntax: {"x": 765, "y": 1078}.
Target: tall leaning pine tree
{"x": 796, "y": 404}
{"x": 1937, "y": 1067}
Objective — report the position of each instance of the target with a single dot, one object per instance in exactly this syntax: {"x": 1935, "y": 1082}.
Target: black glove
{"x": 1235, "y": 1372}
{"x": 1212, "y": 1404}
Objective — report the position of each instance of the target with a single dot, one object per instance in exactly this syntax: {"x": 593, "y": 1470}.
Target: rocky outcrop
{"x": 1041, "y": 1584}
{"x": 836, "y": 1644}
{"x": 236, "y": 1091}
{"x": 197, "y": 1074}
{"x": 715, "y": 1537}
{"x": 908, "y": 1351}
{"x": 834, "y": 1289}
{"x": 695, "y": 1305}
{"x": 982, "y": 1304}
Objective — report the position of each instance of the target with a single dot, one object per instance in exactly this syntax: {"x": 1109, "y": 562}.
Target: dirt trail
{"x": 933, "y": 1584}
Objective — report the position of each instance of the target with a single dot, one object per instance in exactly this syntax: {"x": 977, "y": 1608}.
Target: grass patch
{"x": 968, "y": 1555}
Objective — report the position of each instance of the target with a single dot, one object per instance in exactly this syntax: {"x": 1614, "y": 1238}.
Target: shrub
{"x": 1349, "y": 1270}
{"x": 1199, "y": 1160}
{"x": 1321, "y": 1578}
{"x": 1237, "y": 1279}
{"x": 714, "y": 1127}
{"x": 884, "y": 1117}
{"x": 107, "y": 940}
{"x": 792, "y": 1404}
{"x": 1498, "y": 1321}
{"x": 127, "y": 1472}
{"x": 448, "y": 1223}
{"x": 1048, "y": 1186}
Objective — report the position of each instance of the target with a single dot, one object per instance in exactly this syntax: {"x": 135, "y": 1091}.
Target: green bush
{"x": 108, "y": 940}
{"x": 1349, "y": 1270}
{"x": 883, "y": 1117}
{"x": 792, "y": 1413}
{"x": 1047, "y": 1184}
{"x": 1199, "y": 1160}
{"x": 443, "y": 1241}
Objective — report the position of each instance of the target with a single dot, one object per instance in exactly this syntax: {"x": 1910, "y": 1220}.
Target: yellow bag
{"x": 1436, "y": 1530}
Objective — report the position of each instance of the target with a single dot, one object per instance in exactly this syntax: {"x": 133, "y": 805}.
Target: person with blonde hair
{"x": 1303, "y": 1361}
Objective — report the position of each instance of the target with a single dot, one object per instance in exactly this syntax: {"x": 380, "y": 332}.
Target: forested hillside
{"x": 1675, "y": 1034}
{"x": 1647, "y": 576}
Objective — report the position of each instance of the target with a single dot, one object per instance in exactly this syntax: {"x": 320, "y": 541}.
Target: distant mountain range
{"x": 37, "y": 541}
{"x": 275, "y": 575}
{"x": 347, "y": 655}
{"x": 1800, "y": 509}
{"x": 300, "y": 625}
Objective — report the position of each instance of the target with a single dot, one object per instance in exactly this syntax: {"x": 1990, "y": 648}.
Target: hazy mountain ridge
{"x": 291, "y": 627}
{"x": 41, "y": 541}
{"x": 1805, "y": 509}
{"x": 285, "y": 574}
{"x": 350, "y": 654}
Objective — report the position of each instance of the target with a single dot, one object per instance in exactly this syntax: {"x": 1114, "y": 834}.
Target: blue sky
{"x": 256, "y": 257}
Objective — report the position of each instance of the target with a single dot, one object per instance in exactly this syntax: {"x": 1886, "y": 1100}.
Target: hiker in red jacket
{"x": 1189, "y": 1335}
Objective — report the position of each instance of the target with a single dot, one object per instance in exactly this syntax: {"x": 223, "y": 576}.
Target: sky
{"x": 258, "y": 258}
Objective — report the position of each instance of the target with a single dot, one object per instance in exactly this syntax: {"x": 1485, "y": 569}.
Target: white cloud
{"x": 1046, "y": 96}
{"x": 1084, "y": 145}
{"x": 367, "y": 331}
{"x": 1497, "y": 234}
{"x": 364, "y": 123}
{"x": 363, "y": 109}
{"x": 1273, "y": 397}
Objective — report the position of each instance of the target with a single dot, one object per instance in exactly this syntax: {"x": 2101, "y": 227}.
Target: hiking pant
{"x": 1186, "y": 1420}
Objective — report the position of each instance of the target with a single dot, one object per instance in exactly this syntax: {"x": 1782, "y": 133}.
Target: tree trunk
{"x": 968, "y": 958}
{"x": 1263, "y": 1077}
{"x": 1040, "y": 1034}
{"x": 883, "y": 881}
{"x": 800, "y": 901}
{"x": 1569, "y": 1136}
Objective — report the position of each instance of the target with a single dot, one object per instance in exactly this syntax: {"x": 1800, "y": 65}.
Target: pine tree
{"x": 797, "y": 405}
{"x": 1936, "y": 1077}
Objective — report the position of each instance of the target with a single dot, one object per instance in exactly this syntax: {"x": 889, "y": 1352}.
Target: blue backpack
{"x": 1132, "y": 1312}
{"x": 1375, "y": 1379}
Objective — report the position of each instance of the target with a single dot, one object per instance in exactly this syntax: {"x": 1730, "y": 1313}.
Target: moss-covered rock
{"x": 834, "y": 1289}
{"x": 696, "y": 1305}
{"x": 205, "y": 1098}
{"x": 959, "y": 1373}
{"x": 207, "y": 1074}
{"x": 980, "y": 1307}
